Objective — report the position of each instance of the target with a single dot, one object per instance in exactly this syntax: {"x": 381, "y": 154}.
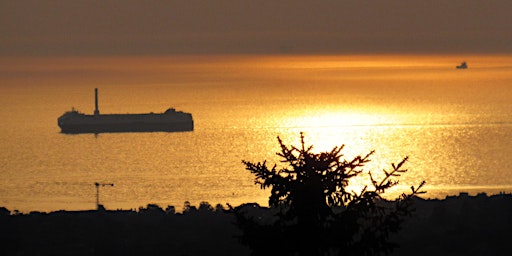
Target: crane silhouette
{"x": 97, "y": 184}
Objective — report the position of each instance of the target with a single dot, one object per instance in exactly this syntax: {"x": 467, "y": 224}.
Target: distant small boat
{"x": 462, "y": 65}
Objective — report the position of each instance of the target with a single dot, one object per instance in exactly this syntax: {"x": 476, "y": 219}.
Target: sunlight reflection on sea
{"x": 454, "y": 125}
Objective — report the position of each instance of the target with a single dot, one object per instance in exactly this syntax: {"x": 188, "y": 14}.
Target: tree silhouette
{"x": 315, "y": 214}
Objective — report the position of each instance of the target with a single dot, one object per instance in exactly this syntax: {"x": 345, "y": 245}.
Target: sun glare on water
{"x": 452, "y": 124}
{"x": 359, "y": 132}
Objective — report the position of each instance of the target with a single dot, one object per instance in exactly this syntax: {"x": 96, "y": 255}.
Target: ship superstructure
{"x": 169, "y": 121}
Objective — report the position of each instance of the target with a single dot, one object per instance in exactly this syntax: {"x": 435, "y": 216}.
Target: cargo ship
{"x": 73, "y": 122}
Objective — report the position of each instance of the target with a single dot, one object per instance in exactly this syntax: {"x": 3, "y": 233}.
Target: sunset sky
{"x": 130, "y": 27}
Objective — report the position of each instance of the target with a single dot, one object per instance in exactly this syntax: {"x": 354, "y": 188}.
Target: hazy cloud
{"x": 246, "y": 26}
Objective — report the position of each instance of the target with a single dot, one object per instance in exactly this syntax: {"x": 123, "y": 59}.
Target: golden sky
{"x": 130, "y": 27}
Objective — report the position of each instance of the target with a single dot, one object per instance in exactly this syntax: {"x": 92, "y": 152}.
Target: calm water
{"x": 454, "y": 125}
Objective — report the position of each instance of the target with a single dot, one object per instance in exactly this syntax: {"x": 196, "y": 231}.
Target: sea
{"x": 453, "y": 125}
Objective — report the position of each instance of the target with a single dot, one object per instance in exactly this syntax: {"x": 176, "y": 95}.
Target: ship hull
{"x": 74, "y": 122}
{"x": 132, "y": 127}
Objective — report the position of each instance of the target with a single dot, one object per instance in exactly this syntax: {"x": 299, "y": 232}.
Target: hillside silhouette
{"x": 456, "y": 225}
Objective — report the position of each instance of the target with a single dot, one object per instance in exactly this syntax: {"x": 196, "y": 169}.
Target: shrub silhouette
{"x": 315, "y": 214}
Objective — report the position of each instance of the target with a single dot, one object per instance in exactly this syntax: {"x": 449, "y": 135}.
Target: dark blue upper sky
{"x": 129, "y": 27}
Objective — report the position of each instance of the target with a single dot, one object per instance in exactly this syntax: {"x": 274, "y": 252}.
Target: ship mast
{"x": 96, "y": 110}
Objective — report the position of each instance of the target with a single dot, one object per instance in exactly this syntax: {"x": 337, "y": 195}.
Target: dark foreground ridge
{"x": 461, "y": 225}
